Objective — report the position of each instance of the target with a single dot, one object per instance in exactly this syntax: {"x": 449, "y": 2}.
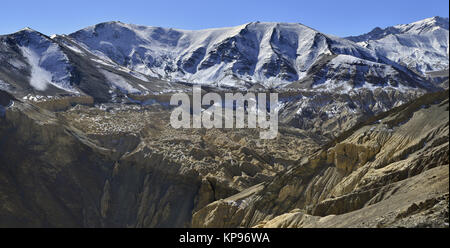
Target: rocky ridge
{"x": 379, "y": 162}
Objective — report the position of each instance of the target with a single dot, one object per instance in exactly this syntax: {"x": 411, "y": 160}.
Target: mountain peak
{"x": 29, "y": 33}
{"x": 422, "y": 45}
{"x": 418, "y": 27}
{"x": 27, "y": 30}
{"x": 436, "y": 20}
{"x": 425, "y": 25}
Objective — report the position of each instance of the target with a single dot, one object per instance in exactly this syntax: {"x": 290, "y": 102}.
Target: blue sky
{"x": 340, "y": 17}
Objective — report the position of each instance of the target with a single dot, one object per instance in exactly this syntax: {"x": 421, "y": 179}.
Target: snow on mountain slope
{"x": 34, "y": 65}
{"x": 119, "y": 82}
{"x": 48, "y": 64}
{"x": 345, "y": 73}
{"x": 419, "y": 27}
{"x": 422, "y": 46}
{"x": 268, "y": 53}
{"x": 112, "y": 59}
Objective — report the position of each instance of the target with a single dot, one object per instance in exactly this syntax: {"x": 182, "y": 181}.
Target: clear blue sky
{"x": 338, "y": 17}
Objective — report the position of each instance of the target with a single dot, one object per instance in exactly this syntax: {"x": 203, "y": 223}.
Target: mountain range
{"x": 114, "y": 58}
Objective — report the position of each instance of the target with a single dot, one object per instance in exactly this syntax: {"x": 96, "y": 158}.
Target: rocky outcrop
{"x": 419, "y": 201}
{"x": 364, "y": 168}
{"x": 331, "y": 113}
{"x": 122, "y": 166}
{"x": 51, "y": 175}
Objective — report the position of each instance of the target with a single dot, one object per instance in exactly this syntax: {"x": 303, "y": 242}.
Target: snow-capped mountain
{"x": 31, "y": 60}
{"x": 422, "y": 46}
{"x": 270, "y": 54}
{"x": 48, "y": 64}
{"x": 114, "y": 58}
{"x": 32, "y": 63}
{"x": 344, "y": 73}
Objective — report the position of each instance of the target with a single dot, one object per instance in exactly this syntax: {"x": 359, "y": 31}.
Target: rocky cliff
{"x": 391, "y": 170}
{"x": 123, "y": 166}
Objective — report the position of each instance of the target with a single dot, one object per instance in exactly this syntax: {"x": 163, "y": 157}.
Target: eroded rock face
{"x": 331, "y": 113}
{"x": 374, "y": 169}
{"x": 155, "y": 193}
{"x": 123, "y": 166}
{"x": 51, "y": 176}
{"x": 419, "y": 201}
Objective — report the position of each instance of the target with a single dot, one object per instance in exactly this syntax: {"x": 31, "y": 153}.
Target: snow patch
{"x": 74, "y": 49}
{"x": 48, "y": 64}
{"x": 17, "y": 63}
{"x": 4, "y": 85}
{"x": 119, "y": 82}
{"x": 39, "y": 78}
